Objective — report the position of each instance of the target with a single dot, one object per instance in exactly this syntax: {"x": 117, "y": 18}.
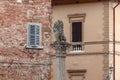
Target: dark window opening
{"x": 76, "y": 31}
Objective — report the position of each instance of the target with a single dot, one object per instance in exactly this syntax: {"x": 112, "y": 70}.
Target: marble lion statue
{"x": 58, "y": 31}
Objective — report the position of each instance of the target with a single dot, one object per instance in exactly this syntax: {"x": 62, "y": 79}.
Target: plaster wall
{"x": 117, "y": 31}
{"x": 117, "y": 38}
{"x": 94, "y": 68}
{"x": 93, "y": 27}
{"x": 93, "y": 32}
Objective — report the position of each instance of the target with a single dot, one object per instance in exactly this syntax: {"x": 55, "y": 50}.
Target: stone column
{"x": 60, "y": 61}
{"x": 60, "y": 48}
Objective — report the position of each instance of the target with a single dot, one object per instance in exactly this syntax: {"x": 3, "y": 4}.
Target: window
{"x": 76, "y": 31}
{"x": 76, "y": 74}
{"x": 76, "y": 21}
{"x": 34, "y": 35}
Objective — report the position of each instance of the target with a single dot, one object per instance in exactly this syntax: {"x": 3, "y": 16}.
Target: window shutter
{"x": 34, "y": 36}
{"x": 37, "y": 37}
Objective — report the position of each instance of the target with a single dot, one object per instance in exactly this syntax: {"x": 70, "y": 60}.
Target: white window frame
{"x": 40, "y": 37}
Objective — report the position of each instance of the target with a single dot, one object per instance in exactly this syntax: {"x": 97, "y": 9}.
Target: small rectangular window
{"x": 34, "y": 36}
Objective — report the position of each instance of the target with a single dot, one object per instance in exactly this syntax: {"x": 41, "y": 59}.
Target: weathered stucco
{"x": 98, "y": 27}
{"x": 92, "y": 58}
{"x": 17, "y": 62}
{"x": 117, "y": 38}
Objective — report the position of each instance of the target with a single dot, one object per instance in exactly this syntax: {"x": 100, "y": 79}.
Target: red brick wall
{"x": 17, "y": 62}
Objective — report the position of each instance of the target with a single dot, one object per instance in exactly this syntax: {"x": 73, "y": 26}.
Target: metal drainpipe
{"x": 114, "y": 39}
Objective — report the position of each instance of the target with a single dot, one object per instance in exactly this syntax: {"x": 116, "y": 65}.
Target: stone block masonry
{"x": 17, "y": 62}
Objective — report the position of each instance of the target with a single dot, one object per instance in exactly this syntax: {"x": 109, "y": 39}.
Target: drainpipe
{"x": 114, "y": 39}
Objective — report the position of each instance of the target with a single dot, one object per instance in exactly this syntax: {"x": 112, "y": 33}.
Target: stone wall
{"x": 17, "y": 62}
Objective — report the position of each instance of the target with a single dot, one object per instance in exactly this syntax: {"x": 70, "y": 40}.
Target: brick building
{"x": 25, "y": 28}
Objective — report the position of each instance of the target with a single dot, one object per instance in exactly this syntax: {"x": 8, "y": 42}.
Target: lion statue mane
{"x": 58, "y": 31}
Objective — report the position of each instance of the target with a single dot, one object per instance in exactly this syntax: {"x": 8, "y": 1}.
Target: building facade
{"x": 25, "y": 28}
{"x": 88, "y": 25}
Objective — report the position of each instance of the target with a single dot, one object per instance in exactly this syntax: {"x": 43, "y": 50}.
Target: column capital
{"x": 60, "y": 46}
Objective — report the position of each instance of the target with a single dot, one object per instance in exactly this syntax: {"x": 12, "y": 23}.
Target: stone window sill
{"x": 29, "y": 47}
{"x": 75, "y": 52}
